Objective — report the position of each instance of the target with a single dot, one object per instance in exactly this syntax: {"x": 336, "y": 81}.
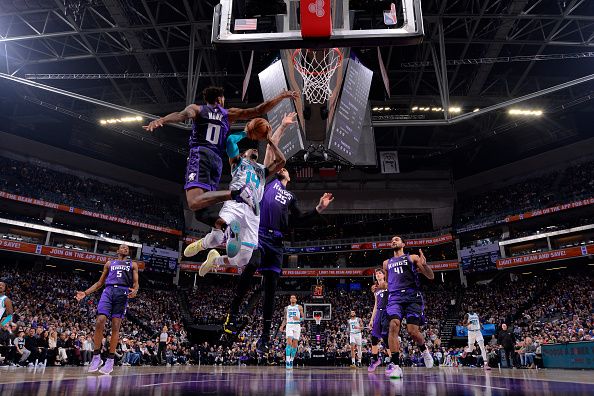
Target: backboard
{"x": 243, "y": 24}
{"x": 324, "y": 309}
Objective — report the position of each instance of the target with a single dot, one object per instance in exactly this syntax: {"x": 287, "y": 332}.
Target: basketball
{"x": 258, "y": 128}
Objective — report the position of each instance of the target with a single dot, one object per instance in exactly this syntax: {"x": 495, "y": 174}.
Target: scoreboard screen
{"x": 351, "y": 129}
{"x": 480, "y": 258}
{"x": 159, "y": 260}
{"x": 317, "y": 291}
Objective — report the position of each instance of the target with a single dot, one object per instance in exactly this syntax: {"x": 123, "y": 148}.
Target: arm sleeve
{"x": 232, "y": 149}
{"x": 297, "y": 215}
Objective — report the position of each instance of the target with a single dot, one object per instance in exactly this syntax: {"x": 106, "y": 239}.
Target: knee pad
{"x": 242, "y": 258}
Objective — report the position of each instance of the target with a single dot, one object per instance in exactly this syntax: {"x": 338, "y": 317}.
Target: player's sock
{"x": 293, "y": 353}
{"x": 395, "y": 358}
{"x": 353, "y": 360}
{"x": 288, "y": 353}
{"x": 213, "y": 239}
{"x": 219, "y": 261}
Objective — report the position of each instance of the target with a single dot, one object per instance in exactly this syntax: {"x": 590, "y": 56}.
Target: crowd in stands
{"x": 366, "y": 258}
{"x": 571, "y": 184}
{"x": 42, "y": 182}
{"x": 355, "y": 225}
{"x": 52, "y": 327}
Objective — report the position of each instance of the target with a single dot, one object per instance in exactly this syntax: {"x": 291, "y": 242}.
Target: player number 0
{"x": 213, "y": 131}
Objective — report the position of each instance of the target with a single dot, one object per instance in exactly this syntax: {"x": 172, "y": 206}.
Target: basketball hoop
{"x": 317, "y": 67}
{"x": 318, "y": 317}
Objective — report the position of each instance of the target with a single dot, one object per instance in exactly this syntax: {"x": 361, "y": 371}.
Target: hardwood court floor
{"x": 70, "y": 381}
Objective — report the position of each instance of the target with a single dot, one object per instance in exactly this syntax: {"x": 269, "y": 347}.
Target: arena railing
{"x": 376, "y": 238}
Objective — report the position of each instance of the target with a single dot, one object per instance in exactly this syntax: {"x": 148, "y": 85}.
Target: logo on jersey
{"x": 317, "y": 8}
{"x": 191, "y": 176}
{"x": 282, "y": 196}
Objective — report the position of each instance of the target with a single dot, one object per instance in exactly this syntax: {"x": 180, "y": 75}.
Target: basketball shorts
{"x": 113, "y": 302}
{"x": 474, "y": 336}
{"x": 293, "y": 331}
{"x": 381, "y": 324}
{"x": 407, "y": 305}
{"x": 270, "y": 246}
{"x": 356, "y": 339}
{"x": 247, "y": 219}
{"x": 203, "y": 170}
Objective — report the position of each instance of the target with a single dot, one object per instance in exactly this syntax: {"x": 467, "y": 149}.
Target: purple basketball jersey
{"x": 381, "y": 299}
{"x": 402, "y": 274}
{"x": 210, "y": 129}
{"x": 120, "y": 273}
{"x": 274, "y": 207}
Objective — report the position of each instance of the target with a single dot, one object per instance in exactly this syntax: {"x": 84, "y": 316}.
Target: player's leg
{"x": 353, "y": 348}
{"x": 375, "y": 361}
{"x": 393, "y": 369}
{"x": 214, "y": 238}
{"x": 119, "y": 307}
{"x": 481, "y": 343}
{"x": 289, "y": 347}
{"x": 414, "y": 331}
{"x": 203, "y": 174}
{"x": 231, "y": 325}
{"x": 359, "y": 349}
{"x": 270, "y": 283}
{"x": 104, "y": 309}
{"x": 113, "y": 343}
{"x": 294, "y": 342}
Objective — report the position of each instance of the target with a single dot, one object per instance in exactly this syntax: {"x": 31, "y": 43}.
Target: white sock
{"x": 213, "y": 238}
{"x": 218, "y": 261}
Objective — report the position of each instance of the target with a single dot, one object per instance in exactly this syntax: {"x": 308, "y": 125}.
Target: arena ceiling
{"x": 492, "y": 50}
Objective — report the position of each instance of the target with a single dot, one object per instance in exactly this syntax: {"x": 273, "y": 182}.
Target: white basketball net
{"x": 317, "y": 68}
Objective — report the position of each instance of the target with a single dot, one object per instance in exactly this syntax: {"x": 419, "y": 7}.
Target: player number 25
{"x": 213, "y": 132}
{"x": 280, "y": 198}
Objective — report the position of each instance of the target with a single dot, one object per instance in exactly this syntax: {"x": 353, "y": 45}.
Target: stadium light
{"x": 455, "y": 110}
{"x": 123, "y": 120}
{"x": 475, "y": 110}
{"x": 525, "y": 112}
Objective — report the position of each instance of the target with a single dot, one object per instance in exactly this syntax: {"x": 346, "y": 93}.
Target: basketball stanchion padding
{"x": 316, "y": 19}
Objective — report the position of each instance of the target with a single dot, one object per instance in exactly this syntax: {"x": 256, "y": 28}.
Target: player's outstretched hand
{"x": 325, "y": 200}
{"x": 154, "y": 124}
{"x": 422, "y": 256}
{"x": 132, "y": 293}
{"x": 291, "y": 94}
{"x": 80, "y": 295}
{"x": 289, "y": 119}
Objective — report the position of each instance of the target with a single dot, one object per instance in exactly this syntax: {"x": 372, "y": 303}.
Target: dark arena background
{"x": 464, "y": 127}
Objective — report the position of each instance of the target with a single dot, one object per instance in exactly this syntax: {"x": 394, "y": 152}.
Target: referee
{"x": 277, "y": 208}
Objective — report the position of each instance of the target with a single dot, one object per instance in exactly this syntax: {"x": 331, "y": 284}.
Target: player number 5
{"x": 119, "y": 274}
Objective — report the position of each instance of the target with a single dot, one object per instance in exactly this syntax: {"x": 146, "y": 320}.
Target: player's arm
{"x": 134, "y": 289}
{"x": 465, "y": 321}
{"x": 189, "y": 113}
{"x": 235, "y": 114}
{"x": 374, "y": 310}
{"x": 283, "y": 324}
{"x": 96, "y": 286}
{"x": 274, "y": 162}
{"x": 233, "y": 149}
{"x": 298, "y": 215}
{"x": 422, "y": 266}
{"x": 360, "y": 324}
{"x": 9, "y": 310}
{"x": 288, "y": 119}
